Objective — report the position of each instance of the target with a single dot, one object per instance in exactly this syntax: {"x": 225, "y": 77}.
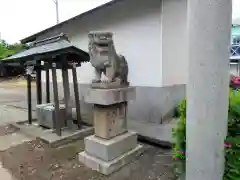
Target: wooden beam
{"x": 76, "y": 94}
{"x": 39, "y": 82}
{"x": 56, "y": 100}
{"x": 66, "y": 90}
{"x": 47, "y": 87}
{"x": 29, "y": 98}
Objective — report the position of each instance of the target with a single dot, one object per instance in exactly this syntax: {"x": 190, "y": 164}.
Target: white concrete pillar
{"x": 209, "y": 25}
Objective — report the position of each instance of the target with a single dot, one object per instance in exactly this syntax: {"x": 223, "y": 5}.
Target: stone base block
{"x": 110, "y": 96}
{"x": 110, "y": 121}
{"x": 108, "y": 167}
{"x": 46, "y": 114}
{"x": 50, "y": 137}
{"x": 108, "y": 150}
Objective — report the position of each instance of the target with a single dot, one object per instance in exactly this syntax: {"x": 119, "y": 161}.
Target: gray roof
{"x": 33, "y": 37}
{"x": 53, "y": 46}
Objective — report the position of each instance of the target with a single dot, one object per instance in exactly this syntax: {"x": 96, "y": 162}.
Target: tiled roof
{"x": 55, "y": 45}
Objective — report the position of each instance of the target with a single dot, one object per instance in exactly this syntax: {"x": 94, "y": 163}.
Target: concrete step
{"x": 154, "y": 132}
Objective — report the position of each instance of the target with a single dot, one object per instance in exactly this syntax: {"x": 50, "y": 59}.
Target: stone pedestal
{"x": 110, "y": 121}
{"x": 112, "y": 146}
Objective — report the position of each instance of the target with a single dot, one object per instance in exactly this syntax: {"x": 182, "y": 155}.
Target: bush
{"x": 179, "y": 134}
{"x": 232, "y": 142}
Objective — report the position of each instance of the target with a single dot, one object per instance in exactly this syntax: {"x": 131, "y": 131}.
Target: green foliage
{"x": 7, "y": 50}
{"x": 232, "y": 142}
{"x": 179, "y": 134}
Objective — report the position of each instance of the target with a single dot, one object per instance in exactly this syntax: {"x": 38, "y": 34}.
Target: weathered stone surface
{"x": 110, "y": 96}
{"x": 50, "y": 137}
{"x": 108, "y": 167}
{"x": 110, "y": 121}
{"x": 108, "y": 150}
{"x": 111, "y": 85}
{"x": 46, "y": 113}
{"x": 105, "y": 59}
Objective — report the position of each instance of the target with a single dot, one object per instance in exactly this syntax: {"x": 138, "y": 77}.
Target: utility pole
{"x": 57, "y": 13}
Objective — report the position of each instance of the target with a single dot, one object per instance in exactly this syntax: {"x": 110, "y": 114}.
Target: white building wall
{"x": 174, "y": 30}
{"x": 137, "y": 33}
{"x": 137, "y": 28}
{"x": 234, "y": 69}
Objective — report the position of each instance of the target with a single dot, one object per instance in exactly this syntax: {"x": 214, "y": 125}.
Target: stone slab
{"x": 112, "y": 85}
{"x": 108, "y": 150}
{"x": 50, "y": 137}
{"x": 110, "y": 121}
{"x": 110, "y": 96}
{"x": 108, "y": 167}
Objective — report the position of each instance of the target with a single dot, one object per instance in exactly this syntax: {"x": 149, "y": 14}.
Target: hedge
{"x": 232, "y": 141}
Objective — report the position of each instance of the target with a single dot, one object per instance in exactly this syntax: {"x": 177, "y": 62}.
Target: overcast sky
{"x": 21, "y": 18}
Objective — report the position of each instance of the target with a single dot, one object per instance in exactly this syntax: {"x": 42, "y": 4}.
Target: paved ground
{"x": 13, "y": 103}
{"x": 9, "y": 97}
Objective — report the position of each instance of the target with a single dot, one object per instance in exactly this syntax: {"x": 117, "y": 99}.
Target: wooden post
{"x": 56, "y": 101}
{"x": 39, "y": 82}
{"x": 76, "y": 94}
{"x": 29, "y": 98}
{"x": 66, "y": 90}
{"x": 47, "y": 86}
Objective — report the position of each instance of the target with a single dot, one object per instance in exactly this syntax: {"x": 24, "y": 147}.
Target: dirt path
{"x": 36, "y": 161}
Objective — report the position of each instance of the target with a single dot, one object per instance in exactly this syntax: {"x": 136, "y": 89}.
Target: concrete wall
{"x": 137, "y": 36}
{"x": 174, "y": 29}
{"x": 152, "y": 104}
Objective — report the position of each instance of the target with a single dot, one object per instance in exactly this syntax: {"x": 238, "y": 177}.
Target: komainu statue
{"x": 105, "y": 59}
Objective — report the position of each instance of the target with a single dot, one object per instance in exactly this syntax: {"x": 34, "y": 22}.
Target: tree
{"x": 7, "y": 50}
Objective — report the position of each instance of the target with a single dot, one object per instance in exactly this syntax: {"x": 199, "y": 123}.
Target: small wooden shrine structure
{"x": 51, "y": 54}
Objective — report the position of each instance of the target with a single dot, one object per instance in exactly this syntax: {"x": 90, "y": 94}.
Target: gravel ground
{"x": 36, "y": 161}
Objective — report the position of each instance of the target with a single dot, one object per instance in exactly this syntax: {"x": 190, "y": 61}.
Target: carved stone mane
{"x": 105, "y": 59}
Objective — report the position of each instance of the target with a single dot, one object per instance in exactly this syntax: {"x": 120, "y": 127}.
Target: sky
{"x": 22, "y": 18}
